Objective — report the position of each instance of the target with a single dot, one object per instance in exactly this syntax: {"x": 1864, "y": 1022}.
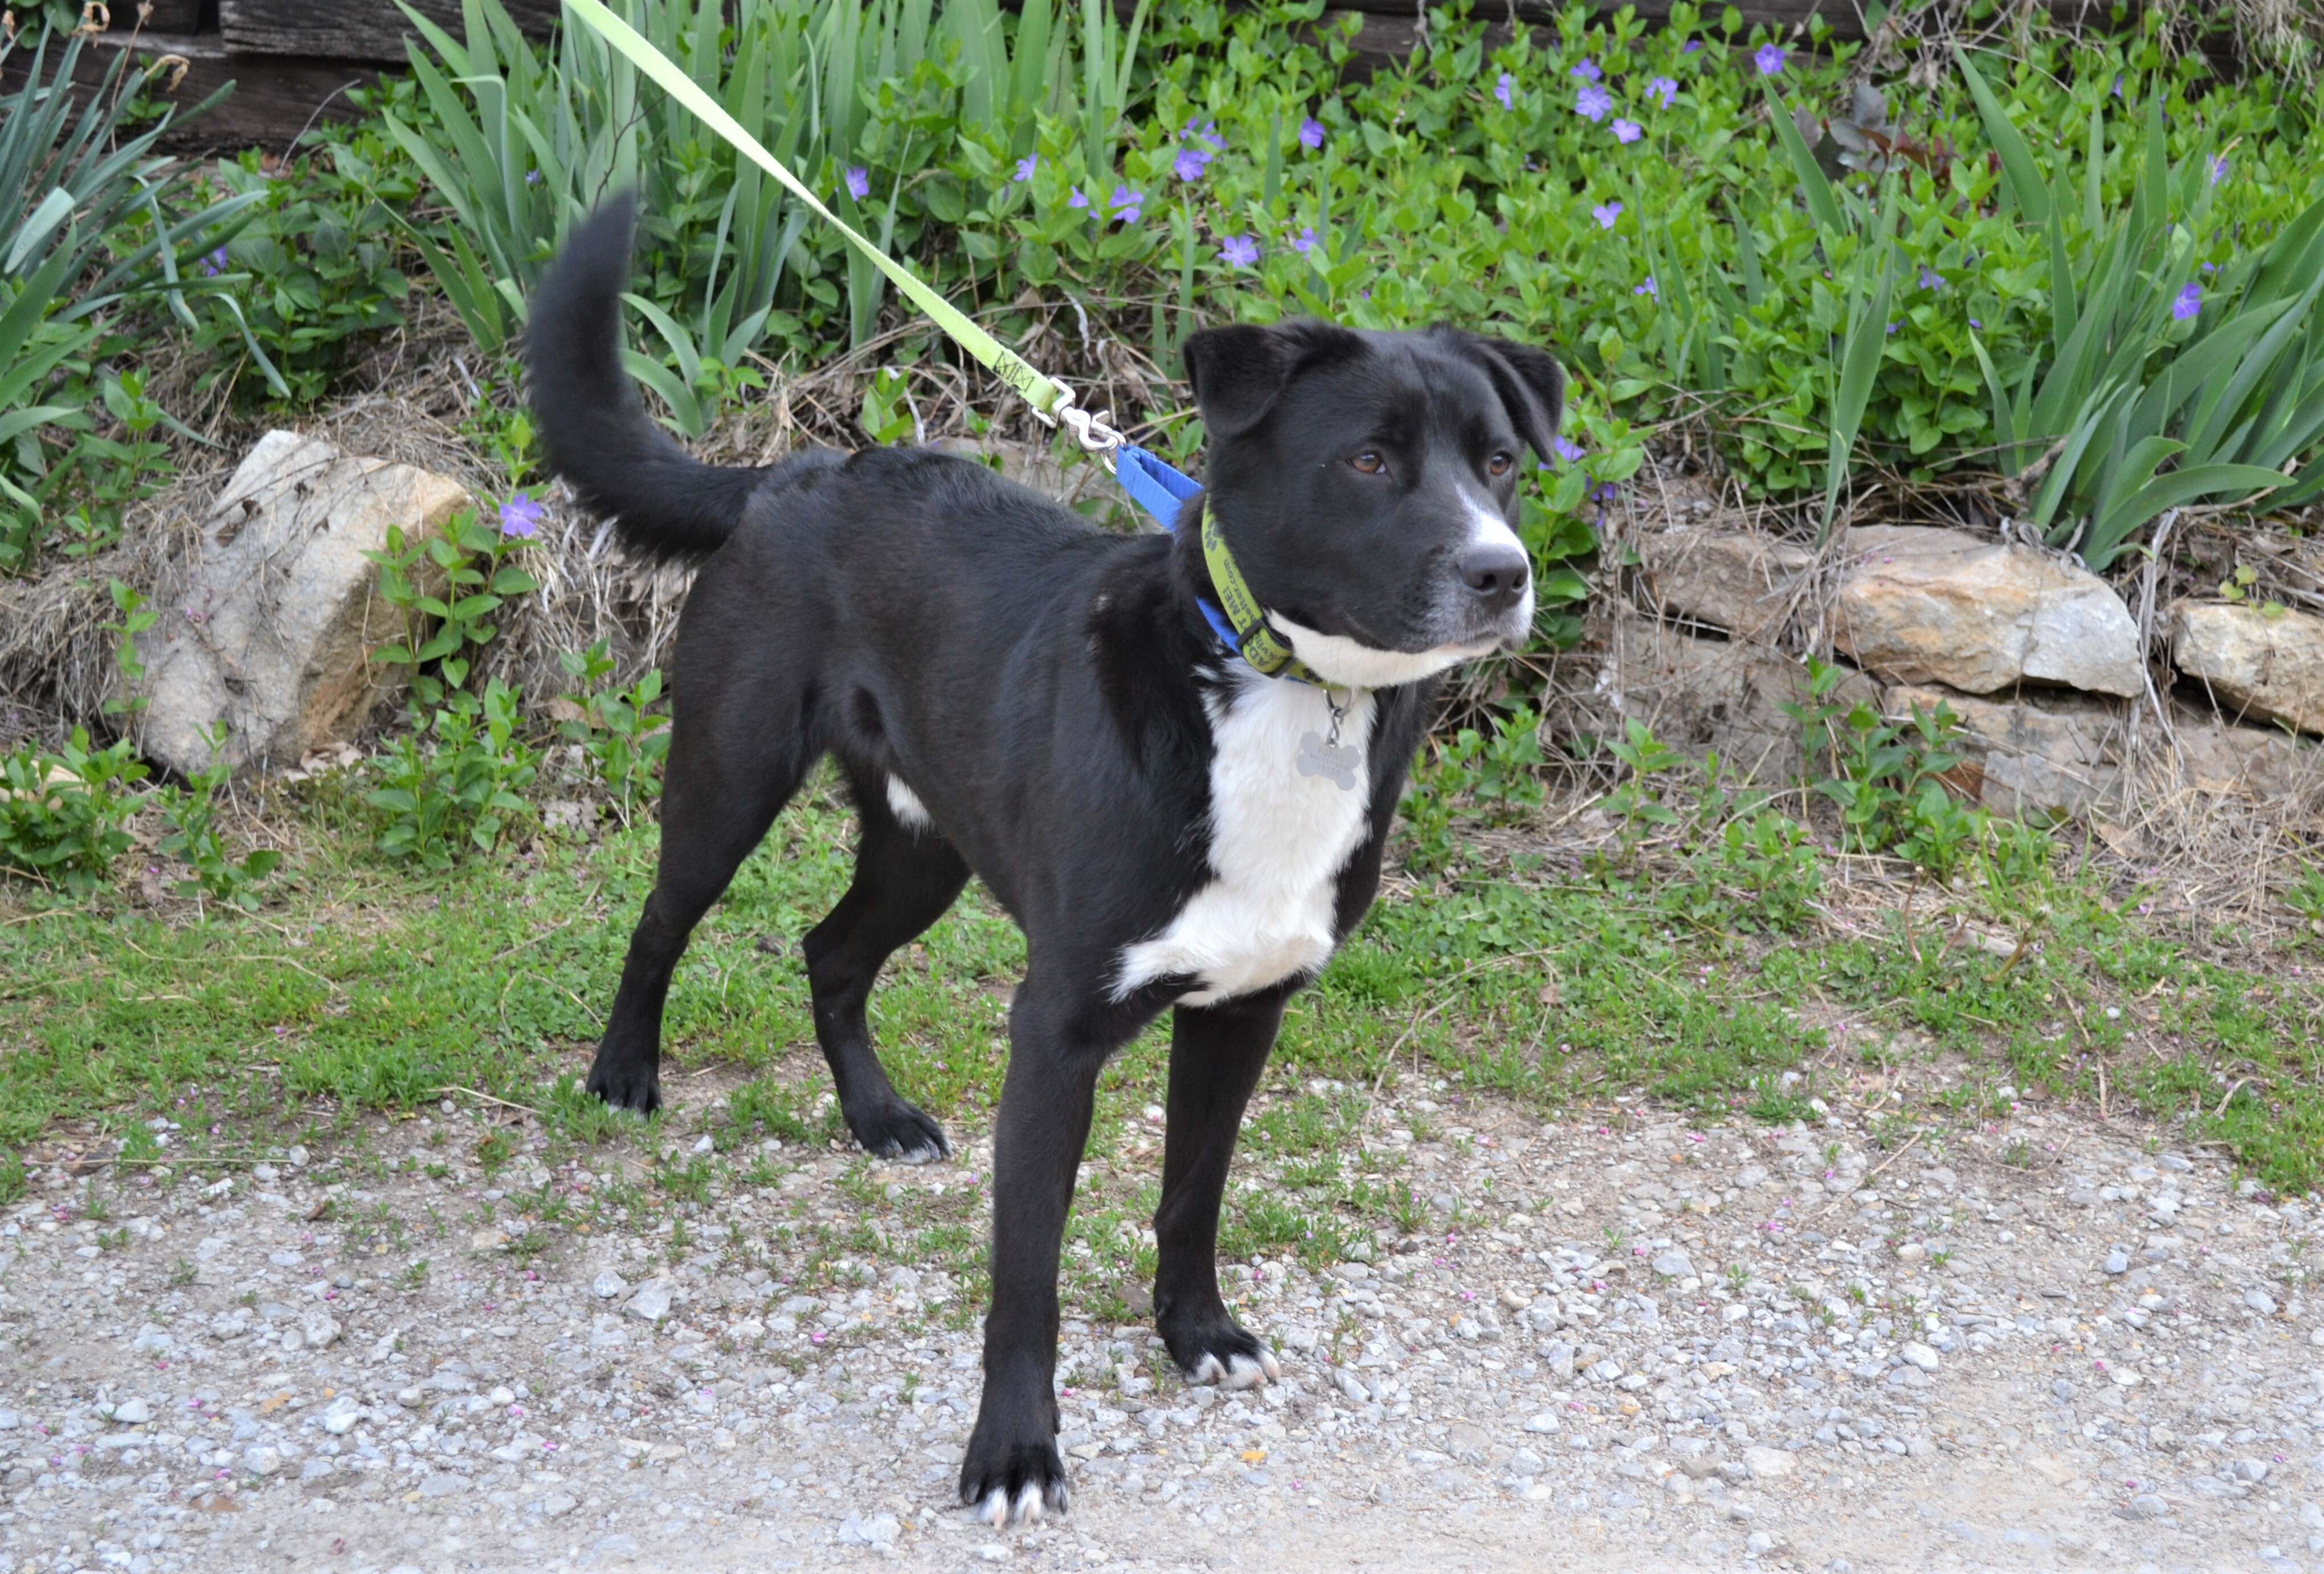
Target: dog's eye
{"x": 1368, "y": 462}
{"x": 1499, "y": 465}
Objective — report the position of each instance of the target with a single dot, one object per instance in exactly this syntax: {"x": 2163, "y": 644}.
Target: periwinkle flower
{"x": 1241, "y": 251}
{"x": 1305, "y": 241}
{"x": 858, "y": 181}
{"x": 1587, "y": 70}
{"x": 520, "y": 517}
{"x": 1566, "y": 449}
{"x": 1506, "y": 92}
{"x": 1125, "y": 204}
{"x": 1626, "y": 131}
{"x": 1190, "y": 163}
{"x": 2189, "y": 303}
{"x": 1026, "y": 165}
{"x": 1663, "y": 88}
{"x": 1311, "y": 131}
{"x": 1606, "y": 213}
{"x": 1073, "y": 198}
{"x": 1648, "y": 287}
{"x": 1593, "y": 102}
{"x": 1770, "y": 59}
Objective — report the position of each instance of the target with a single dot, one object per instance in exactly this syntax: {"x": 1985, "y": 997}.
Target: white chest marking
{"x": 1278, "y": 841}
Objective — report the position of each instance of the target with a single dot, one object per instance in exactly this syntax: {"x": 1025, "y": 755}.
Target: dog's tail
{"x": 663, "y": 502}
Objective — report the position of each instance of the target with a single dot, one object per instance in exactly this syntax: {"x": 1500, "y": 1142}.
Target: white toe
{"x": 1208, "y": 1370}
{"x": 1030, "y": 1505}
{"x": 994, "y": 1510}
{"x": 1273, "y": 1367}
{"x": 1242, "y": 1372}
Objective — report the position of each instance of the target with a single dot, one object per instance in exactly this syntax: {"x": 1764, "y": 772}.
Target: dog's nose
{"x": 1497, "y": 571}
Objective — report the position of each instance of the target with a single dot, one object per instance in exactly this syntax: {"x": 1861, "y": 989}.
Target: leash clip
{"x": 1092, "y": 431}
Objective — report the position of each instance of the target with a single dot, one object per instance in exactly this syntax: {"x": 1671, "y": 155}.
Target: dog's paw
{"x": 1225, "y": 1353}
{"x": 637, "y": 1088}
{"x": 900, "y": 1132}
{"x": 1013, "y": 1482}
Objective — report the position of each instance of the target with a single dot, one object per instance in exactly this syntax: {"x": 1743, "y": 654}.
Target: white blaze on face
{"x": 1278, "y": 841}
{"x": 905, "y": 806}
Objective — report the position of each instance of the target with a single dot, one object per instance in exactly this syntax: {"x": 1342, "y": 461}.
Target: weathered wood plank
{"x": 166, "y": 16}
{"x": 275, "y": 97}
{"x": 353, "y": 30}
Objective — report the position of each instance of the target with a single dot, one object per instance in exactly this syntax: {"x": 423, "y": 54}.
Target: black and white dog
{"x": 1015, "y": 694}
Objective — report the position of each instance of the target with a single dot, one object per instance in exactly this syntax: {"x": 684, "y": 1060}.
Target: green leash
{"x": 1247, "y": 628}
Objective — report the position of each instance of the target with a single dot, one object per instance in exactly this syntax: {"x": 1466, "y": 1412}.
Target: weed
{"x": 623, "y": 745}
{"x": 61, "y": 814}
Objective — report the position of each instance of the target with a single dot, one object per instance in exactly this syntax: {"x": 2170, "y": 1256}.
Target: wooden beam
{"x": 275, "y": 97}
{"x": 353, "y": 30}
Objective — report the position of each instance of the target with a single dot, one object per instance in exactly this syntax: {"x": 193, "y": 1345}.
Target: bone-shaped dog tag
{"x": 1337, "y": 761}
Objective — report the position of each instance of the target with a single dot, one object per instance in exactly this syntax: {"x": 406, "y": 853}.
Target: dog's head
{"x": 1367, "y": 484}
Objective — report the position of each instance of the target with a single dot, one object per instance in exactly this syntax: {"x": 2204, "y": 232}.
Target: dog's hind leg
{"x": 1216, "y": 1055}
{"x": 718, "y": 798}
{"x": 905, "y": 879}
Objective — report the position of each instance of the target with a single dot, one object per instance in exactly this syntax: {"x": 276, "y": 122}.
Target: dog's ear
{"x": 1530, "y": 382}
{"x": 1237, "y": 371}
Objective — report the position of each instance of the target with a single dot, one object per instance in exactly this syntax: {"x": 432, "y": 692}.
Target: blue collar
{"x": 1162, "y": 491}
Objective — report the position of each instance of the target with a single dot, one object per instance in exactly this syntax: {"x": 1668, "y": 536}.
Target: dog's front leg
{"x": 1012, "y": 1468}
{"x": 1216, "y": 1054}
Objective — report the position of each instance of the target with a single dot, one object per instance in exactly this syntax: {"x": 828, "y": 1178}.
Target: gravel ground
{"x": 1661, "y": 1347}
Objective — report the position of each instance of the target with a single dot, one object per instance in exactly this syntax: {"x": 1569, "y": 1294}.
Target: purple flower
{"x": 1664, "y": 89}
{"x": 2189, "y": 302}
{"x": 1566, "y": 449}
{"x": 1587, "y": 70}
{"x": 1693, "y": 44}
{"x": 215, "y": 263}
{"x": 1626, "y": 131}
{"x": 1506, "y": 92}
{"x": 1930, "y": 279}
{"x": 1204, "y": 133}
{"x": 1305, "y": 241}
{"x": 1606, "y": 213}
{"x": 1769, "y": 59}
{"x": 1026, "y": 165}
{"x": 1239, "y": 252}
{"x": 858, "y": 181}
{"x": 1074, "y": 199}
{"x": 1593, "y": 102}
{"x": 1311, "y": 131}
{"x": 1190, "y": 163}
{"x": 520, "y": 517}
{"x": 2219, "y": 168}
{"x": 1973, "y": 322}
{"x": 1648, "y": 287}
{"x": 532, "y": 177}
{"x": 1125, "y": 204}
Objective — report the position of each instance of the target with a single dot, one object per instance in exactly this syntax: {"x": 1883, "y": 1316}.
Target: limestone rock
{"x": 273, "y": 629}
{"x": 2029, "y": 755}
{"x": 1730, "y": 580}
{"x": 1701, "y": 694}
{"x": 1920, "y": 606}
{"x": 2264, "y": 668}
{"x": 2222, "y": 760}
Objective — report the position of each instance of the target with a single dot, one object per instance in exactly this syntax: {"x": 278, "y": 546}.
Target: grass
{"x": 360, "y": 994}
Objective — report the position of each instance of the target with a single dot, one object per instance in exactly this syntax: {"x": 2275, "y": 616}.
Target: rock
{"x": 1923, "y": 605}
{"x": 1673, "y": 1264}
{"x": 1768, "y": 1464}
{"x": 1920, "y": 1354}
{"x": 2117, "y": 1261}
{"x": 878, "y": 1531}
{"x": 270, "y": 629}
{"x": 2145, "y": 1506}
{"x": 607, "y": 1284}
{"x": 2252, "y": 1470}
{"x": 1544, "y": 1423}
{"x": 2220, "y": 759}
{"x": 1730, "y": 580}
{"x": 320, "y": 1328}
{"x": 2057, "y": 752}
{"x": 341, "y": 1418}
{"x": 651, "y": 1302}
{"x": 2265, "y": 668}
{"x": 1701, "y": 694}
{"x": 133, "y": 1412}
{"x": 2260, "y": 1301}
{"x": 261, "y": 1460}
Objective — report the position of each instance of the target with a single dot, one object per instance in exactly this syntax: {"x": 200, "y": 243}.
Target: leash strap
{"x": 1047, "y": 395}
{"x": 1153, "y": 485}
